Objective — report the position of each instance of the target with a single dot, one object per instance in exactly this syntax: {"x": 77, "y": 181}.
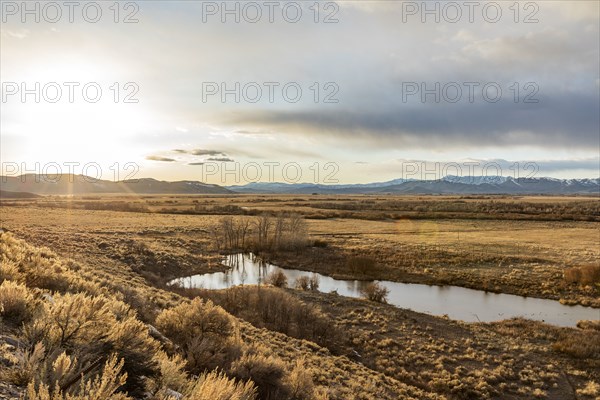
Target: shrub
{"x": 9, "y": 271}
{"x": 71, "y": 336}
{"x": 15, "y": 302}
{"x": 591, "y": 389}
{"x": 375, "y": 292}
{"x": 217, "y": 386}
{"x": 589, "y": 324}
{"x": 210, "y": 352}
{"x": 203, "y": 331}
{"x": 39, "y": 268}
{"x": 75, "y": 319}
{"x": 579, "y": 344}
{"x": 302, "y": 283}
{"x": 360, "y": 264}
{"x": 300, "y": 382}
{"x": 92, "y": 327}
{"x": 172, "y": 374}
{"x": 590, "y": 274}
{"x": 277, "y": 279}
{"x": 196, "y": 318}
{"x": 266, "y": 372}
{"x": 585, "y": 275}
{"x": 572, "y": 275}
{"x": 130, "y": 340}
{"x": 274, "y": 309}
{"x": 307, "y": 283}
{"x": 28, "y": 365}
{"x": 320, "y": 243}
{"x": 103, "y": 387}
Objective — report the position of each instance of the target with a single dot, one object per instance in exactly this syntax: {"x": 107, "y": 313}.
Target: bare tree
{"x": 263, "y": 226}
{"x": 243, "y": 228}
{"x": 280, "y": 230}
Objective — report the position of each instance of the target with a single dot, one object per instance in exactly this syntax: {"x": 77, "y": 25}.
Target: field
{"x": 127, "y": 249}
{"x": 509, "y": 245}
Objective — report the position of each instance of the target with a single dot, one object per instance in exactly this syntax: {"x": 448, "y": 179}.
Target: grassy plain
{"x": 502, "y": 244}
{"x": 126, "y": 249}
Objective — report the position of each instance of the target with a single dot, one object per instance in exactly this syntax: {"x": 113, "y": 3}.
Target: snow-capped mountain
{"x": 477, "y": 180}
{"x": 78, "y": 184}
{"x": 447, "y": 185}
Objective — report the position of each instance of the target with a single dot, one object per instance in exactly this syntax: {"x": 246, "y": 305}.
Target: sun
{"x": 75, "y": 110}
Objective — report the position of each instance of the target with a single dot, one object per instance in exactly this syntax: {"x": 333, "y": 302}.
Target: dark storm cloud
{"x": 539, "y": 167}
{"x": 564, "y": 165}
{"x": 561, "y": 120}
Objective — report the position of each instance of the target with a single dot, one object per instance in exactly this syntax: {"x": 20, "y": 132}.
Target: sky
{"x": 324, "y": 92}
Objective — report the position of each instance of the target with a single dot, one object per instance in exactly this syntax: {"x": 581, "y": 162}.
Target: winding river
{"x": 455, "y": 302}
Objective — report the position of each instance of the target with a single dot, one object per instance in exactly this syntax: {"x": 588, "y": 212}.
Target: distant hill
{"x": 79, "y": 184}
{"x": 446, "y": 185}
{"x": 4, "y": 194}
{"x": 30, "y": 185}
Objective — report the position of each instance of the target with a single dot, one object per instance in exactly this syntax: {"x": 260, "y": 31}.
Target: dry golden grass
{"x": 499, "y": 253}
{"x": 526, "y": 257}
{"x": 91, "y": 327}
{"x": 511, "y": 359}
{"x": 115, "y": 264}
{"x": 276, "y": 310}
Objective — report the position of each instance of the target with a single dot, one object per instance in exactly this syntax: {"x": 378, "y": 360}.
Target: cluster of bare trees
{"x": 264, "y": 232}
{"x": 231, "y": 233}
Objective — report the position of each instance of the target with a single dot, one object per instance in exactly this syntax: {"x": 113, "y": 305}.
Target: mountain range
{"x": 447, "y": 185}
{"x": 25, "y": 185}
{"x": 79, "y": 184}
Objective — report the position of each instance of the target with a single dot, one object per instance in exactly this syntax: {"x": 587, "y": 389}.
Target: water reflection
{"x": 456, "y": 302}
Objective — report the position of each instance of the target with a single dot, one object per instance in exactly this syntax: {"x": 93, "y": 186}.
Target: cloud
{"x": 374, "y": 52}
{"x": 200, "y": 152}
{"x": 558, "y": 120}
{"x": 159, "y": 158}
{"x": 252, "y": 132}
{"x": 565, "y": 165}
{"x": 196, "y": 163}
{"x": 203, "y": 152}
{"x": 220, "y": 159}
{"x": 544, "y": 50}
{"x": 499, "y": 166}
{"x": 20, "y": 34}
